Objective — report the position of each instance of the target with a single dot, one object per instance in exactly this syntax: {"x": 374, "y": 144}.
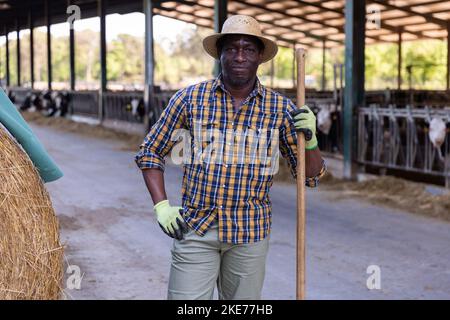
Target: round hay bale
{"x": 31, "y": 256}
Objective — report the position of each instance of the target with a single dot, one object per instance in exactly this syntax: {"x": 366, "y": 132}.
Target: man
{"x": 222, "y": 229}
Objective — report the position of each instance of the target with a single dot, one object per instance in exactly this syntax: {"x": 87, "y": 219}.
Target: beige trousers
{"x": 199, "y": 263}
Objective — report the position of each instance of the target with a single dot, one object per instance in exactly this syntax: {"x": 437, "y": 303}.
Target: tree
{"x": 183, "y": 61}
{"x": 126, "y": 59}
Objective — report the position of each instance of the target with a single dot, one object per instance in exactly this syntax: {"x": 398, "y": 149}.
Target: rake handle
{"x": 301, "y": 178}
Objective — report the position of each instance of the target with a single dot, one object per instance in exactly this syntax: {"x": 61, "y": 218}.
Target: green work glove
{"x": 170, "y": 219}
{"x": 305, "y": 121}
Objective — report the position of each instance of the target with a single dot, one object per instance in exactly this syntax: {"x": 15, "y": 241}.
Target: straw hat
{"x": 240, "y": 24}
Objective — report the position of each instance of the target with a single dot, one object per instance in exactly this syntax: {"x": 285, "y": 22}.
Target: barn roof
{"x": 306, "y": 22}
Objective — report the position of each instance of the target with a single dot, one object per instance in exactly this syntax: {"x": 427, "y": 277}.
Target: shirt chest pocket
{"x": 262, "y": 125}
{"x": 207, "y": 138}
{"x": 262, "y": 121}
{"x": 256, "y": 137}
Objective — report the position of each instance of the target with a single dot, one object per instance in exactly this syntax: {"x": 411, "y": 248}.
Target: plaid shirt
{"x": 235, "y": 193}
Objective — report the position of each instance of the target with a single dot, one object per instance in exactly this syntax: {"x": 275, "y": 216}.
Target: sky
{"x": 132, "y": 23}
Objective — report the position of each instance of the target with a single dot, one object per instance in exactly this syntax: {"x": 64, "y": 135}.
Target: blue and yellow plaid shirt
{"x": 234, "y": 192}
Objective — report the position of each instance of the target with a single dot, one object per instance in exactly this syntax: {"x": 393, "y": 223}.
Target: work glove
{"x": 170, "y": 219}
{"x": 305, "y": 121}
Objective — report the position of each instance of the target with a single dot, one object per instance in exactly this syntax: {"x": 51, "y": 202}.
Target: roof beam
{"x": 341, "y": 13}
{"x": 161, "y": 10}
{"x": 308, "y": 34}
{"x": 419, "y": 4}
{"x": 296, "y": 17}
{"x": 408, "y": 9}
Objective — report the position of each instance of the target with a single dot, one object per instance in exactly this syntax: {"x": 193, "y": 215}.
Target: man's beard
{"x": 237, "y": 82}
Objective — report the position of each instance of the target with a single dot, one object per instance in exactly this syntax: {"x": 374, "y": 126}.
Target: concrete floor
{"x": 110, "y": 232}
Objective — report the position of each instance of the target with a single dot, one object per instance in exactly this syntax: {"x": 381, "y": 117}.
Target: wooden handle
{"x": 301, "y": 178}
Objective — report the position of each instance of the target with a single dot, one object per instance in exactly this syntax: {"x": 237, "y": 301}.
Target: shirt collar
{"x": 259, "y": 88}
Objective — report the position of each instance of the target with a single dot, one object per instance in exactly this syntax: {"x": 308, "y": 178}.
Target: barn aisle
{"x": 111, "y": 234}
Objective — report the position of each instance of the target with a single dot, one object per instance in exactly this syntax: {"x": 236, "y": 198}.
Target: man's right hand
{"x": 170, "y": 219}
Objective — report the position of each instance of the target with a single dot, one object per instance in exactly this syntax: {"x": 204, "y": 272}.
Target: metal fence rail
{"x": 391, "y": 136}
{"x": 331, "y": 142}
{"x": 84, "y": 103}
{"x": 413, "y": 98}
{"x": 118, "y": 106}
{"x": 398, "y": 138}
{"x": 159, "y": 103}
{"x": 318, "y": 100}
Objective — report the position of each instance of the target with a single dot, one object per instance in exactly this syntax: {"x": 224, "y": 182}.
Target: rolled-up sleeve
{"x": 158, "y": 143}
{"x": 288, "y": 148}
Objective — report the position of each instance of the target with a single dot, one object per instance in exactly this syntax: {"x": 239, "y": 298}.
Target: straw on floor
{"x": 31, "y": 256}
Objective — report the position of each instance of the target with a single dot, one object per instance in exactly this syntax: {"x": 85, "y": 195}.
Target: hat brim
{"x": 270, "y": 47}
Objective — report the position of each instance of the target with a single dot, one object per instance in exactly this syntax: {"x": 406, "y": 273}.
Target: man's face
{"x": 240, "y": 58}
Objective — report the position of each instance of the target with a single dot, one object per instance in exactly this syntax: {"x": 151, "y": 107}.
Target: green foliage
{"x": 2, "y": 64}
{"x": 427, "y": 58}
{"x": 381, "y": 66}
{"x": 282, "y": 69}
{"x": 184, "y": 61}
{"x": 40, "y": 56}
{"x": 181, "y": 61}
{"x": 126, "y": 59}
{"x": 87, "y": 57}
{"x": 12, "y": 59}
{"x": 61, "y": 60}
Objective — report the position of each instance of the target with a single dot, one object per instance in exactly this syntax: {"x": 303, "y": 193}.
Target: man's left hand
{"x": 304, "y": 119}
